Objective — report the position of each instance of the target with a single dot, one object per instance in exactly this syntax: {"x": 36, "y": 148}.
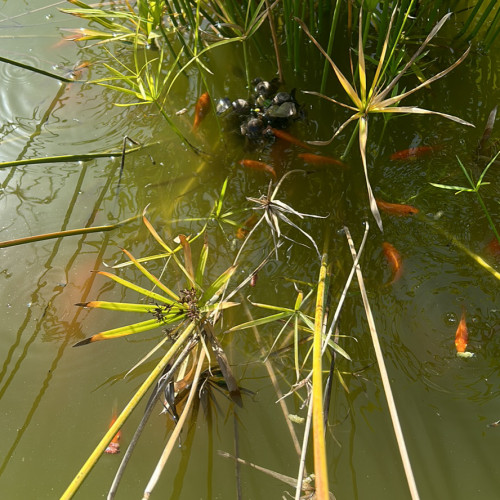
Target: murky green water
{"x": 56, "y": 402}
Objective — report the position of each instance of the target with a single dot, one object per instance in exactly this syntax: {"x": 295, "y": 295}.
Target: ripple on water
{"x": 20, "y": 97}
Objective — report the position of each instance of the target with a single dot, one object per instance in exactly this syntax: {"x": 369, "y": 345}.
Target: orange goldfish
{"x": 259, "y": 165}
{"x": 396, "y": 208}
{"x": 201, "y": 110}
{"x": 462, "y": 335}
{"x": 414, "y": 153}
{"x": 281, "y": 134}
{"x": 68, "y": 38}
{"x": 247, "y": 226}
{"x": 77, "y": 72}
{"x": 394, "y": 259}
{"x": 493, "y": 247}
{"x": 114, "y": 446}
{"x": 315, "y": 159}
{"x": 253, "y": 281}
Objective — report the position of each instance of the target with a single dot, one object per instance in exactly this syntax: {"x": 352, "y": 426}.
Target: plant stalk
{"x": 385, "y": 377}
{"x": 320, "y": 465}
{"x": 96, "y": 454}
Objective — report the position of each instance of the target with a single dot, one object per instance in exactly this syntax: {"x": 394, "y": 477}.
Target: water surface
{"x": 56, "y": 402}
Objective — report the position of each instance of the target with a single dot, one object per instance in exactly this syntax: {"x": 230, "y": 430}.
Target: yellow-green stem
{"x": 320, "y": 465}
{"x": 91, "y": 461}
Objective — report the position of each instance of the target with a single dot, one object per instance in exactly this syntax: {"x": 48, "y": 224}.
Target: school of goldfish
{"x": 392, "y": 255}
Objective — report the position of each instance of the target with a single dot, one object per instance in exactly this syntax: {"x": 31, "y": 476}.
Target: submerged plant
{"x": 480, "y": 17}
{"x": 474, "y": 188}
{"x": 377, "y": 98}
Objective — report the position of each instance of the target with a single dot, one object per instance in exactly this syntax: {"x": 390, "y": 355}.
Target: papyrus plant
{"x": 377, "y": 98}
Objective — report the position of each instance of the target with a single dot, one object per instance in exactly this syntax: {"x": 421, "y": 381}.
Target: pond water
{"x": 56, "y": 402}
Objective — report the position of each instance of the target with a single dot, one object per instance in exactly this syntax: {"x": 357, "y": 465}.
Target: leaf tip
{"x": 84, "y": 342}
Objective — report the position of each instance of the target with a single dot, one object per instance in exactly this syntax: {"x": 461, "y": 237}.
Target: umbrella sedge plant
{"x": 193, "y": 311}
{"x": 379, "y": 98}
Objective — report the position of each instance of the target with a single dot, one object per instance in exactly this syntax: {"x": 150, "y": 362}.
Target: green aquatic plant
{"x": 63, "y": 234}
{"x": 377, "y": 98}
{"x": 141, "y": 27}
{"x": 194, "y": 310}
{"x": 297, "y": 317}
{"x": 190, "y": 304}
{"x": 474, "y": 188}
{"x": 146, "y": 83}
{"x": 218, "y": 215}
{"x": 482, "y": 17}
{"x": 68, "y": 158}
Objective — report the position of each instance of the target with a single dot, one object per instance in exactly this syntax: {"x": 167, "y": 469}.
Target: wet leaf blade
{"x": 393, "y": 100}
{"x": 339, "y": 349}
{"x": 361, "y": 59}
{"x": 218, "y": 205}
{"x": 122, "y": 331}
{"x": 155, "y": 235}
{"x": 363, "y": 137}
{"x": 150, "y": 276}
{"x": 396, "y": 79}
{"x": 188, "y": 258}
{"x": 342, "y": 381}
{"x": 340, "y": 76}
{"x": 217, "y": 284}
{"x": 136, "y": 288}
{"x": 259, "y": 322}
{"x": 64, "y": 158}
{"x": 273, "y": 308}
{"x": 421, "y": 111}
{"x": 63, "y": 234}
{"x": 452, "y": 188}
{"x": 202, "y": 262}
{"x": 117, "y": 306}
{"x": 35, "y": 70}
{"x": 219, "y": 305}
{"x": 380, "y": 65}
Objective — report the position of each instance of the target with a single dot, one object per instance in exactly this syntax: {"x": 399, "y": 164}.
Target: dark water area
{"x": 56, "y": 402}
